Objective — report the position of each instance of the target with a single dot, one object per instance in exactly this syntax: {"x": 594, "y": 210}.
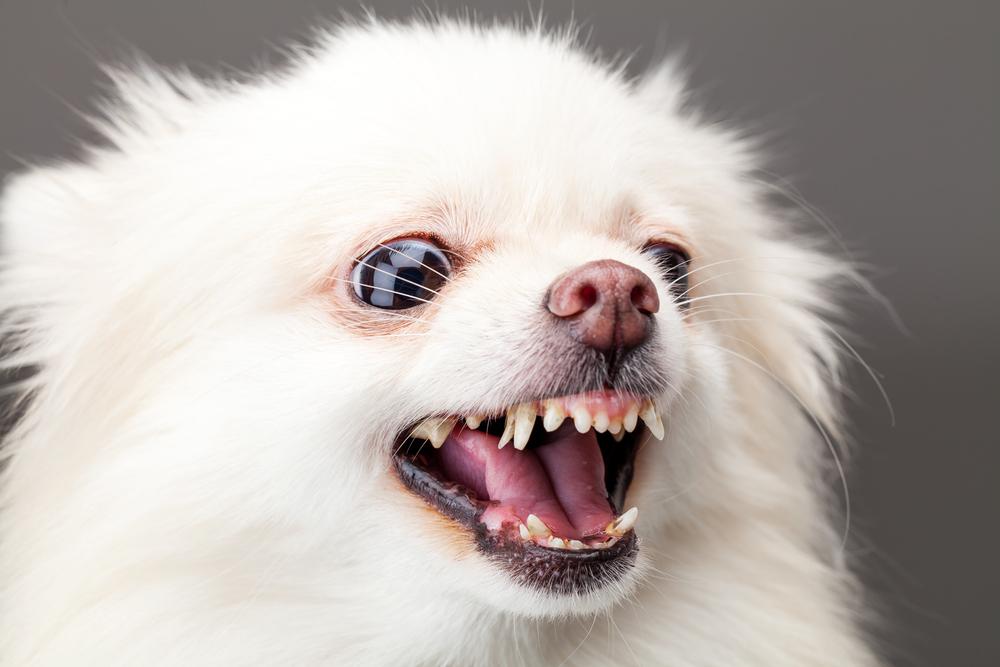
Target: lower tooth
{"x": 623, "y": 524}
{"x": 577, "y": 544}
{"x": 523, "y": 531}
{"x": 557, "y": 543}
{"x": 537, "y": 527}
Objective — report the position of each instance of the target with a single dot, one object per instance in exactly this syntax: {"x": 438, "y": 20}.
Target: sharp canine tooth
{"x": 524, "y": 421}
{"x": 623, "y": 524}
{"x": 652, "y": 420}
{"x": 577, "y": 544}
{"x": 508, "y": 430}
{"x": 619, "y": 436}
{"x": 537, "y": 527}
{"x": 523, "y": 530}
{"x": 435, "y": 429}
{"x": 582, "y": 419}
{"x": 601, "y": 422}
{"x": 473, "y": 421}
{"x": 631, "y": 418}
{"x": 554, "y": 416}
{"x": 557, "y": 543}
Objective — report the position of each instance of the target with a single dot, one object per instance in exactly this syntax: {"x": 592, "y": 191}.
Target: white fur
{"x": 202, "y": 476}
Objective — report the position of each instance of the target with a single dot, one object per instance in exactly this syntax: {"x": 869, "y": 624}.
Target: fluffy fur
{"x": 201, "y": 477}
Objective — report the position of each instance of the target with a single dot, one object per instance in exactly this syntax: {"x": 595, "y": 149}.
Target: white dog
{"x": 292, "y": 336}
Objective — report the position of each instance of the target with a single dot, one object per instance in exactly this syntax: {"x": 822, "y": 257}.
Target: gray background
{"x": 882, "y": 114}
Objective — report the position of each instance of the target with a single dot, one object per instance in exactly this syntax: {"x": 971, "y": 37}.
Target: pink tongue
{"x": 561, "y": 482}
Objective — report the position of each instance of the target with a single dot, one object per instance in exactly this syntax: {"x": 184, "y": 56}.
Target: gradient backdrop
{"x": 882, "y": 115}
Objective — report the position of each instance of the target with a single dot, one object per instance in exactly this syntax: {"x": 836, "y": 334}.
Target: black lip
{"x": 557, "y": 571}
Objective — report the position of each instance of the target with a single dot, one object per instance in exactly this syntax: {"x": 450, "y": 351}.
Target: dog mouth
{"x": 543, "y": 497}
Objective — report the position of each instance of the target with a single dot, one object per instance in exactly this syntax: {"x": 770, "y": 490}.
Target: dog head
{"x": 427, "y": 314}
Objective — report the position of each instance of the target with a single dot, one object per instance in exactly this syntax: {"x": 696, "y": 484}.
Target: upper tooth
{"x": 652, "y": 420}
{"x": 435, "y": 429}
{"x": 631, "y": 418}
{"x": 508, "y": 430}
{"x": 581, "y": 419}
{"x": 619, "y": 436}
{"x": 473, "y": 421}
{"x": 615, "y": 426}
{"x": 601, "y": 422}
{"x": 537, "y": 527}
{"x": 624, "y": 523}
{"x": 524, "y": 421}
{"x": 554, "y": 416}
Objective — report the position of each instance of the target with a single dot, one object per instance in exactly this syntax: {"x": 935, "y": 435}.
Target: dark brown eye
{"x": 400, "y": 274}
{"x": 674, "y": 265}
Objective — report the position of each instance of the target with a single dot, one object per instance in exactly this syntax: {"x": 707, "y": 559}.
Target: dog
{"x": 446, "y": 344}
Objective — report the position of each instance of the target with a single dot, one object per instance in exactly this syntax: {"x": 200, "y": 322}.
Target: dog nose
{"x": 608, "y": 304}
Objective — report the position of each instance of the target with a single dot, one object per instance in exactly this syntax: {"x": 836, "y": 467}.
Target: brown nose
{"x": 607, "y": 304}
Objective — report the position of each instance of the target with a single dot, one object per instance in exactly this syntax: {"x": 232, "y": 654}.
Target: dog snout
{"x": 607, "y": 304}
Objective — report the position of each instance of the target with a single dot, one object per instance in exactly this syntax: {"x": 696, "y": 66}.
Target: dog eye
{"x": 400, "y": 274}
{"x": 674, "y": 264}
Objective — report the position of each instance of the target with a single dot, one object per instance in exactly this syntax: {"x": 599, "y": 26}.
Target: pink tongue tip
{"x": 562, "y": 482}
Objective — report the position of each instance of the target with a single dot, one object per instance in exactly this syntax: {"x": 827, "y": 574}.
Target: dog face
{"x": 426, "y": 316}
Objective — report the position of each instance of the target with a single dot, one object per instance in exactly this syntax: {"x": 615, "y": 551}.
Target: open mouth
{"x": 543, "y": 497}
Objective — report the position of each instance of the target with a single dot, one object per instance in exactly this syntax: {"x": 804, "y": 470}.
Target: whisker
{"x": 722, "y": 294}
{"x": 397, "y": 277}
{"x": 384, "y": 289}
{"x": 816, "y": 422}
{"x": 430, "y": 268}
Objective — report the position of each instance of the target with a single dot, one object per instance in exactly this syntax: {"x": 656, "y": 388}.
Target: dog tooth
{"x": 473, "y": 421}
{"x": 619, "y": 436}
{"x": 601, "y": 422}
{"x": 608, "y": 543}
{"x": 508, "y": 430}
{"x": 554, "y": 416}
{"x": 623, "y": 524}
{"x": 524, "y": 421}
{"x": 442, "y": 431}
{"x": 615, "y": 426}
{"x": 523, "y": 531}
{"x": 631, "y": 418}
{"x": 577, "y": 544}
{"x": 652, "y": 420}
{"x": 582, "y": 419}
{"x": 435, "y": 429}
{"x": 557, "y": 543}
{"x": 537, "y": 527}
